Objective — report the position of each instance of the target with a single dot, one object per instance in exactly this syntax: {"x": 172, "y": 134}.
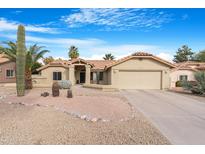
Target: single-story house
{"x": 7, "y": 70}
{"x": 138, "y": 71}
{"x": 185, "y": 71}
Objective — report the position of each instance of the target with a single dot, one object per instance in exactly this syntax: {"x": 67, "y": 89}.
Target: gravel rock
{"x": 83, "y": 117}
{"x": 45, "y": 125}
{"x": 94, "y": 119}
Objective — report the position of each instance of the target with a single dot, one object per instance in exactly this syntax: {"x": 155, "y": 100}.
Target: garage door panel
{"x": 139, "y": 79}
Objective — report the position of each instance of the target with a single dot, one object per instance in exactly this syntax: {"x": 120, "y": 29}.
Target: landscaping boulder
{"x": 45, "y": 94}
{"x": 55, "y": 89}
{"x": 64, "y": 84}
{"x": 69, "y": 93}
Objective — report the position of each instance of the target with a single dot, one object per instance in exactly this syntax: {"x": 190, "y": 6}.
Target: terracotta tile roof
{"x": 100, "y": 64}
{"x": 3, "y": 59}
{"x": 190, "y": 65}
{"x": 56, "y": 63}
{"x": 80, "y": 60}
{"x": 202, "y": 68}
{"x": 104, "y": 64}
{"x": 96, "y": 64}
{"x": 142, "y": 55}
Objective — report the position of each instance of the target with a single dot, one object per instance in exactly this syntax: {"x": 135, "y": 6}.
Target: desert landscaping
{"x": 90, "y": 117}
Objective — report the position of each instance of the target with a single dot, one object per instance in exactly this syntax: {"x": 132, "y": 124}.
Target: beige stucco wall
{"x": 150, "y": 68}
{"x": 109, "y": 76}
{"x": 174, "y": 75}
{"x": 146, "y": 65}
{"x": 46, "y": 77}
{"x": 40, "y": 81}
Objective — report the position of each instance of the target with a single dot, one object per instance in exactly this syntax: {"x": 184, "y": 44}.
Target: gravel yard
{"x": 89, "y": 103}
{"x": 21, "y": 124}
{"x": 31, "y": 122}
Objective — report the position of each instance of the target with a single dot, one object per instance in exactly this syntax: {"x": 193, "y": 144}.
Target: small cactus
{"x": 55, "y": 89}
{"x": 69, "y": 93}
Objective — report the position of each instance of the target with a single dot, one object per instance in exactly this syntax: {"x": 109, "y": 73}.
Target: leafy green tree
{"x": 200, "y": 56}
{"x": 1, "y": 49}
{"x": 73, "y": 52}
{"x": 183, "y": 54}
{"x": 33, "y": 54}
{"x": 35, "y": 66}
{"x": 199, "y": 86}
{"x": 48, "y": 60}
{"x": 108, "y": 56}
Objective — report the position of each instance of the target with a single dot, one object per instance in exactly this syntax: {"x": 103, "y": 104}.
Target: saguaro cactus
{"x": 20, "y": 61}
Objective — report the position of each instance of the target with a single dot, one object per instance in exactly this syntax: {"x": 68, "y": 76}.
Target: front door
{"x": 82, "y": 77}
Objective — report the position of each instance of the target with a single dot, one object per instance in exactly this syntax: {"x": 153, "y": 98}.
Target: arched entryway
{"x": 79, "y": 71}
{"x": 80, "y": 74}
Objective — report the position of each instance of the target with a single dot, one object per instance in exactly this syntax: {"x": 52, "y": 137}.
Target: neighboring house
{"x": 137, "y": 71}
{"x": 7, "y": 70}
{"x": 185, "y": 71}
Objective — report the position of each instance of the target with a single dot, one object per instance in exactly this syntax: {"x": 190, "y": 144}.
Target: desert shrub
{"x": 64, "y": 84}
{"x": 198, "y": 86}
{"x": 179, "y": 84}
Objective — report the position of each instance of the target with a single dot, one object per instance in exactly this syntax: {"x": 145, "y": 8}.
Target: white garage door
{"x": 139, "y": 79}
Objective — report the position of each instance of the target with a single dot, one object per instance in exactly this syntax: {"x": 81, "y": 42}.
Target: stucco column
{"x": 115, "y": 78}
{"x": 72, "y": 74}
{"x": 162, "y": 80}
{"x": 87, "y": 74}
{"x": 98, "y": 77}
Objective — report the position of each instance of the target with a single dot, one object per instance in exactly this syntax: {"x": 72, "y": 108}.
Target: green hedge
{"x": 180, "y": 83}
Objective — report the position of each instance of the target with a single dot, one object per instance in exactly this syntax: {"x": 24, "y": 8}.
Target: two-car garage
{"x": 140, "y": 79}
{"x": 140, "y": 71}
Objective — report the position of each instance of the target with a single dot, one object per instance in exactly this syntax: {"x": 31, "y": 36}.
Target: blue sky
{"x": 99, "y": 31}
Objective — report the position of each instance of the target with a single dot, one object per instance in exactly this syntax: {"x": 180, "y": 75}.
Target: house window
{"x": 183, "y": 77}
{"x": 57, "y": 76}
{"x": 9, "y": 73}
{"x": 101, "y": 76}
{"x": 91, "y": 75}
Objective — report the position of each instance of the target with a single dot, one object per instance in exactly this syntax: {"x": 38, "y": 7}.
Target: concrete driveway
{"x": 179, "y": 117}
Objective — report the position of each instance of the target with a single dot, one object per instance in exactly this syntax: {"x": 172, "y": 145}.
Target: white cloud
{"x": 165, "y": 56}
{"x": 59, "y": 41}
{"x": 6, "y": 25}
{"x": 100, "y": 56}
{"x": 93, "y": 48}
{"x": 118, "y": 19}
{"x": 94, "y": 57}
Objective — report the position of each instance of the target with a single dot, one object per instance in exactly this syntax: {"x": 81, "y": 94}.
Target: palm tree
{"x": 73, "y": 52}
{"x": 108, "y": 56}
{"x": 33, "y": 54}
{"x": 10, "y": 51}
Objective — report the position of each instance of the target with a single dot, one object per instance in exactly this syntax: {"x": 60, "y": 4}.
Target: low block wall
{"x": 101, "y": 87}
{"x": 40, "y": 81}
